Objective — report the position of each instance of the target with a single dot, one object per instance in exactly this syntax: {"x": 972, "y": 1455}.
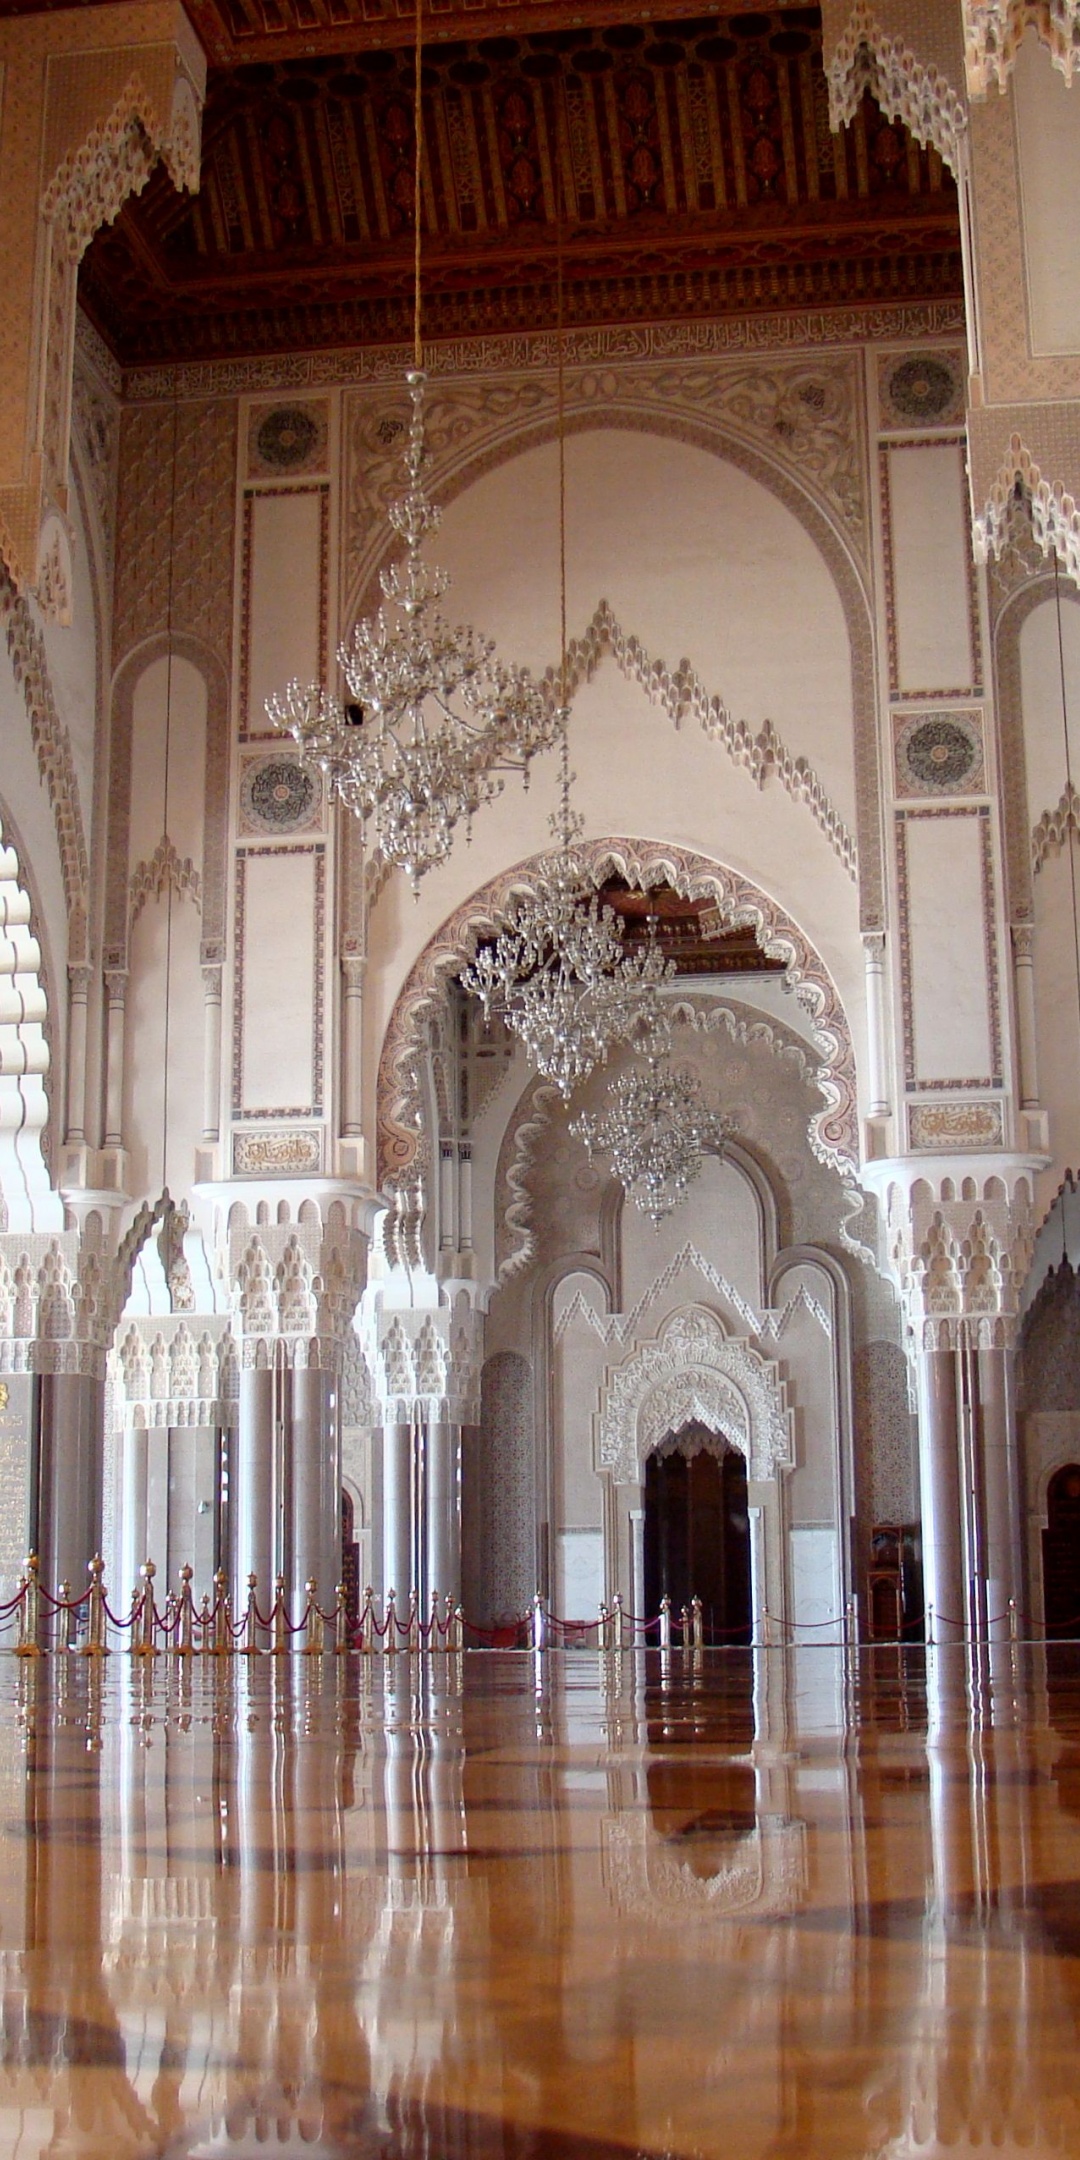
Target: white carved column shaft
{"x": 1023, "y": 938}
{"x": 877, "y": 1066}
{"x": 397, "y": 1509}
{"x": 443, "y": 1511}
{"x": 78, "y": 996}
{"x": 940, "y": 1495}
{"x": 352, "y": 1045}
{"x": 211, "y": 1052}
{"x": 116, "y": 993}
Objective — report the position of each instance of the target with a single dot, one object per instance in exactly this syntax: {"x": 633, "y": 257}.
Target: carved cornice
{"x": 913, "y": 67}
{"x": 994, "y": 32}
{"x": 52, "y": 748}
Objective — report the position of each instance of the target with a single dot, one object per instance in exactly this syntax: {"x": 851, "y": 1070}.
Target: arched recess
{"x": 27, "y": 1198}
{"x": 644, "y": 864}
{"x": 215, "y": 793}
{"x": 461, "y": 457}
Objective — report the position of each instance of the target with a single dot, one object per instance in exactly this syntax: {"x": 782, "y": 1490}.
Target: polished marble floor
{"x": 490, "y": 1908}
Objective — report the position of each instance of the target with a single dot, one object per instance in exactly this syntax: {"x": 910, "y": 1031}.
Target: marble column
{"x": 253, "y": 1486}
{"x": 1023, "y": 939}
{"x": 443, "y": 1512}
{"x": 116, "y": 988}
{"x": 313, "y": 1436}
{"x": 133, "y": 1548}
{"x": 939, "y": 1483}
{"x": 1000, "y": 1497}
{"x": 69, "y": 1480}
{"x": 78, "y": 995}
{"x": 397, "y": 1511}
{"x": 877, "y": 1086}
{"x": 211, "y": 1052}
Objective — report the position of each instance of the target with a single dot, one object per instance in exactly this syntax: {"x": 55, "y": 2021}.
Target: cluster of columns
{"x": 969, "y": 1482}
{"x": 421, "y": 1507}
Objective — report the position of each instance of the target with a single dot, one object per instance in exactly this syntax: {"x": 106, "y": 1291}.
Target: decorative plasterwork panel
{"x": 909, "y": 55}
{"x": 159, "y": 872}
{"x": 278, "y": 796}
{"x": 939, "y": 753}
{"x": 897, "y": 689}
{"x": 921, "y": 390}
{"x": 940, "y": 1127}
{"x": 175, "y": 525}
{"x": 912, "y": 1079}
{"x": 804, "y": 413}
{"x": 1055, "y": 827}
{"x": 994, "y": 31}
{"x": 359, "y": 366}
{"x": 287, "y": 440}
{"x": 298, "y": 1153}
{"x": 834, "y": 1130}
{"x": 693, "y": 1372}
{"x": 52, "y": 748}
{"x": 291, "y": 1111}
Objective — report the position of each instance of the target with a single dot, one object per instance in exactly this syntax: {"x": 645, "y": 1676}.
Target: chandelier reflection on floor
{"x": 433, "y": 717}
{"x": 655, "y": 1130}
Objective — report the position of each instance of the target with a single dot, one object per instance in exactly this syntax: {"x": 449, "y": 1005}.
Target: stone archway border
{"x": 693, "y": 1371}
{"x": 833, "y": 1129}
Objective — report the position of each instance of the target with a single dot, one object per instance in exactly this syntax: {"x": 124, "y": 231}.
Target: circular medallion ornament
{"x": 279, "y": 795}
{"x": 940, "y": 755}
{"x": 287, "y": 437}
{"x": 922, "y": 388}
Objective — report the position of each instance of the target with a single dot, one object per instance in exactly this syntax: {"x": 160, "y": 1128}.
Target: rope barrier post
{"x": 619, "y": 1641}
{"x": 63, "y": 1617}
{"x": 434, "y": 1641}
{"x": 142, "y": 1636}
{"x": 390, "y": 1625}
{"x": 665, "y": 1623}
{"x": 697, "y": 1624}
{"x": 539, "y": 1631}
{"x": 684, "y": 1623}
{"x": 315, "y": 1643}
{"x": 250, "y": 1647}
{"x": 367, "y": 1622}
{"x": 187, "y": 1612}
{"x": 456, "y": 1632}
{"x": 30, "y": 1610}
{"x": 222, "y": 1615}
{"x": 204, "y": 1625}
{"x": 601, "y": 1627}
{"x": 413, "y": 1635}
{"x": 930, "y": 1627}
{"x": 850, "y": 1625}
{"x": 1014, "y": 1629}
{"x": 279, "y": 1645}
{"x": 95, "y": 1644}
{"x": 341, "y": 1620}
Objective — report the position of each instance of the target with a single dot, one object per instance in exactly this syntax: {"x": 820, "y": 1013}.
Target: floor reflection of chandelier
{"x": 433, "y": 716}
{"x": 655, "y": 1130}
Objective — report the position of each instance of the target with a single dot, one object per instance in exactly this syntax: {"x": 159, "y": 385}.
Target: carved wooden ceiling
{"x": 694, "y": 158}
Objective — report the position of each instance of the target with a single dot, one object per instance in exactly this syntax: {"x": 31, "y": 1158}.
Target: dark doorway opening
{"x": 697, "y": 1533}
{"x": 1061, "y": 1554}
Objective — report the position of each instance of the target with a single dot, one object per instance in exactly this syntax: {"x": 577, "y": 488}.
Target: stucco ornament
{"x": 693, "y": 1371}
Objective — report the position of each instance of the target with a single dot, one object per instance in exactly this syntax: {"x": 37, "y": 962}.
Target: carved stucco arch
{"x": 1019, "y": 870}
{"x": 644, "y": 864}
{"x": 693, "y": 1373}
{"x": 452, "y": 473}
{"x": 27, "y": 1199}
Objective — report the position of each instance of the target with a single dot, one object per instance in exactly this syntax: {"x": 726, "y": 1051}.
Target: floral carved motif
{"x": 693, "y": 1373}
{"x": 804, "y": 413}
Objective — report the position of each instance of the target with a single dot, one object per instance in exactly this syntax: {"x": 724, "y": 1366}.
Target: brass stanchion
{"x": 95, "y": 1644}
{"x": 697, "y": 1624}
{"x": 142, "y": 1635}
{"x": 280, "y": 1644}
{"x": 665, "y": 1623}
{"x": 390, "y": 1633}
{"x": 63, "y": 1617}
{"x": 222, "y": 1615}
{"x": 250, "y": 1645}
{"x": 456, "y": 1632}
{"x": 31, "y": 1612}
{"x": 205, "y": 1626}
{"x": 22, "y": 1638}
{"x": 316, "y": 1640}
{"x": 341, "y": 1620}
{"x": 367, "y": 1622}
{"x": 413, "y": 1637}
{"x": 186, "y": 1613}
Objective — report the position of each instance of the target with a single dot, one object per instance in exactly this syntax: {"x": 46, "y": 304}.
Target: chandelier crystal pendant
{"x": 655, "y": 1131}
{"x": 433, "y": 717}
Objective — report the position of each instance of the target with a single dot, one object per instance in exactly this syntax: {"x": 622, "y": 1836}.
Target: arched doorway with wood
{"x": 1061, "y": 1554}
{"x": 697, "y": 1531}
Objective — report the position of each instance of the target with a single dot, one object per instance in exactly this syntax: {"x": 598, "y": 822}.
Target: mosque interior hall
{"x": 539, "y": 1122}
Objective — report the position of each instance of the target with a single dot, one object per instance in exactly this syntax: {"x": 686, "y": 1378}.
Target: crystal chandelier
{"x": 433, "y": 717}
{"x": 655, "y": 1131}
{"x": 558, "y": 970}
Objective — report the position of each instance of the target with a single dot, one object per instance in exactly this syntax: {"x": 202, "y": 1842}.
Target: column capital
{"x": 959, "y": 1235}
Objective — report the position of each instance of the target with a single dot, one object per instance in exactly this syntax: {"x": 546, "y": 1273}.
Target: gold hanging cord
{"x": 418, "y": 215}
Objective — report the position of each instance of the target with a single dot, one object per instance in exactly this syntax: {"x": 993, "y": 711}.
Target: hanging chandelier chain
{"x": 418, "y": 175}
